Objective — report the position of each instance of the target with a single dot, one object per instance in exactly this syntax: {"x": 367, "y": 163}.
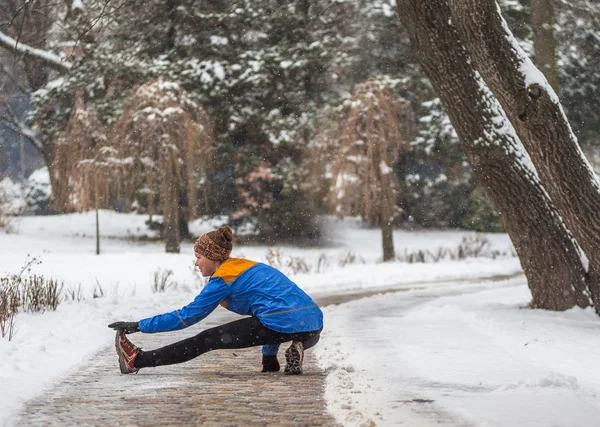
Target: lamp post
{"x": 96, "y": 207}
{"x": 95, "y": 166}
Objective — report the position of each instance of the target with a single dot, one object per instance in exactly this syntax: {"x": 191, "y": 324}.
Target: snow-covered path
{"x": 218, "y": 388}
{"x": 224, "y": 387}
{"x": 448, "y": 348}
{"x": 462, "y": 353}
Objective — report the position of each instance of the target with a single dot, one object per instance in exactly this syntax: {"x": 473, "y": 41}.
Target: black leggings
{"x": 247, "y": 332}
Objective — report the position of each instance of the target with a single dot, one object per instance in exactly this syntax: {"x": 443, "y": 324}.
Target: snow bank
{"x": 473, "y": 355}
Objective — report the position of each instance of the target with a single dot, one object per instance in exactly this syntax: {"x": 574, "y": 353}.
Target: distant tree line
{"x": 272, "y": 77}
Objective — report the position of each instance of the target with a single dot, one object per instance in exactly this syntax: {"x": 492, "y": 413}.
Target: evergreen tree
{"x": 267, "y": 71}
{"x": 579, "y": 68}
{"x": 261, "y": 72}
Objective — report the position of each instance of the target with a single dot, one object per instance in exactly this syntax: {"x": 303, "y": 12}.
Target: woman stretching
{"x": 279, "y": 312}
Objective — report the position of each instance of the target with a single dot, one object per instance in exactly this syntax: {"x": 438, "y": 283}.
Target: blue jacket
{"x": 248, "y": 288}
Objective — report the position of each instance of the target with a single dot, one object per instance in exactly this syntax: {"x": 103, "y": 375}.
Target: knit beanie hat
{"x": 215, "y": 245}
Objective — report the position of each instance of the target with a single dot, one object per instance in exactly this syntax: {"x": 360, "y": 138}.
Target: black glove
{"x": 127, "y": 327}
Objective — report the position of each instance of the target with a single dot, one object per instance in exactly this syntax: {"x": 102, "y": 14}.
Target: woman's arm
{"x": 215, "y": 291}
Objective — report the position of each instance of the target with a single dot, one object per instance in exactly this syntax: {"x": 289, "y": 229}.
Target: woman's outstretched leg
{"x": 247, "y": 332}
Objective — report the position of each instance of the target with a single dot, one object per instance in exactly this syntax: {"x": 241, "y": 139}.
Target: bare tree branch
{"x": 10, "y": 75}
{"x": 26, "y": 5}
{"x": 23, "y": 6}
{"x": 12, "y": 121}
{"x": 26, "y": 131}
{"x": 52, "y": 60}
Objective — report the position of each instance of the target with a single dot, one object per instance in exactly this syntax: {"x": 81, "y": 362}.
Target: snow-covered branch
{"x": 9, "y": 73}
{"x": 49, "y": 58}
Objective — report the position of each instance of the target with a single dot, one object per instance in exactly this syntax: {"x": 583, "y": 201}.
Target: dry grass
{"x": 292, "y": 265}
{"x": 39, "y": 293}
{"x": 162, "y": 280}
{"x": 477, "y": 246}
{"x": 98, "y": 291}
{"x": 470, "y": 247}
{"x": 276, "y": 258}
{"x": 9, "y": 306}
{"x": 73, "y": 294}
{"x": 27, "y": 293}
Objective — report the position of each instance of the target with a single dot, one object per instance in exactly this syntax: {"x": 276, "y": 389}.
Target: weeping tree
{"x": 72, "y": 185}
{"x": 374, "y": 130}
{"x": 165, "y": 139}
{"x": 99, "y": 171}
{"x": 86, "y": 171}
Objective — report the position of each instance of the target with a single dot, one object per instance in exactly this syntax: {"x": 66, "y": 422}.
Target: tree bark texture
{"x": 57, "y": 169}
{"x": 548, "y": 253}
{"x": 544, "y": 44}
{"x": 535, "y": 112}
{"x": 387, "y": 208}
{"x": 170, "y": 194}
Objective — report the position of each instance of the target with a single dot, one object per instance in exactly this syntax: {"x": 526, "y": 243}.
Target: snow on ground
{"x": 11, "y": 191}
{"x": 437, "y": 356}
{"x": 47, "y": 345}
{"x": 66, "y": 246}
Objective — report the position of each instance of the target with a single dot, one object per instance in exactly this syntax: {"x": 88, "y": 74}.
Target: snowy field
{"x": 437, "y": 350}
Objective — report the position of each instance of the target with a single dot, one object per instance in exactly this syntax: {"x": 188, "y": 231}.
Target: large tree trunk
{"x": 535, "y": 112}
{"x": 544, "y": 44}
{"x": 548, "y": 253}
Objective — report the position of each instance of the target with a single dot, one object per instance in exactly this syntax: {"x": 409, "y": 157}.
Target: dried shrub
{"x": 473, "y": 247}
{"x": 162, "y": 280}
{"x": 350, "y": 258}
{"x": 477, "y": 246}
{"x": 297, "y": 265}
{"x": 289, "y": 265}
{"x": 9, "y": 306}
{"x": 73, "y": 294}
{"x": 273, "y": 258}
{"x": 98, "y": 291}
{"x": 322, "y": 263}
{"x": 39, "y": 293}
{"x": 6, "y": 220}
{"x": 22, "y": 292}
